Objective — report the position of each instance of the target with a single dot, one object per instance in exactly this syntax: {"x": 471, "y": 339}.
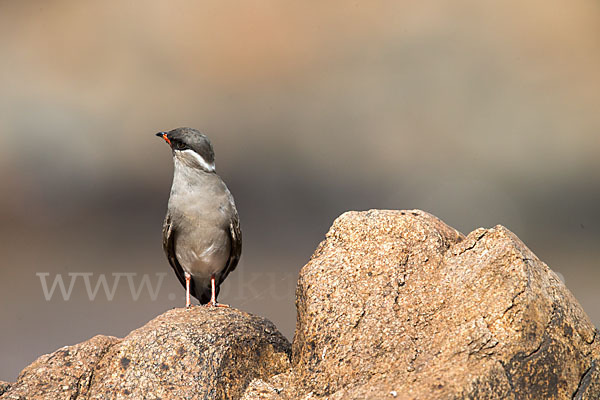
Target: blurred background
{"x": 481, "y": 113}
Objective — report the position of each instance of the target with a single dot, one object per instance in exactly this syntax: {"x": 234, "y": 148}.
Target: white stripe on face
{"x": 191, "y": 154}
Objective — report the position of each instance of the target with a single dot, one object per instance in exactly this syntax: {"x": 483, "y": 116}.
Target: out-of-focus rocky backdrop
{"x": 480, "y": 113}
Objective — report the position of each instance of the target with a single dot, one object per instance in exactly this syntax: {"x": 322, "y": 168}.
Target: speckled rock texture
{"x": 200, "y": 353}
{"x": 63, "y": 374}
{"x": 4, "y": 386}
{"x": 392, "y": 305}
{"x": 396, "y": 304}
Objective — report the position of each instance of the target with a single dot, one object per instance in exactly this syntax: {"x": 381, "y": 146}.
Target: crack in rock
{"x": 584, "y": 382}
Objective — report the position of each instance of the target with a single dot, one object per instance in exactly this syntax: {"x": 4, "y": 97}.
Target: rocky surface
{"x": 62, "y": 374}
{"x": 198, "y": 353}
{"x": 396, "y": 304}
{"x": 4, "y": 386}
{"x": 392, "y": 305}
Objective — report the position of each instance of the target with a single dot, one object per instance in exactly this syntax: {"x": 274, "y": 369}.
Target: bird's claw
{"x": 215, "y": 304}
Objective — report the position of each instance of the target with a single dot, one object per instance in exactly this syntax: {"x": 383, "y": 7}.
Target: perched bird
{"x": 201, "y": 233}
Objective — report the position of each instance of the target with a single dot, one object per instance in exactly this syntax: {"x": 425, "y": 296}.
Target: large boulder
{"x": 396, "y": 304}
{"x": 184, "y": 353}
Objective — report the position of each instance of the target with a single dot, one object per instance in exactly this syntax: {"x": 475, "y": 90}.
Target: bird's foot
{"x": 213, "y": 297}
{"x": 215, "y": 304}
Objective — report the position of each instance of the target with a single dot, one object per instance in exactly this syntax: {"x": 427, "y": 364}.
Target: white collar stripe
{"x": 209, "y": 167}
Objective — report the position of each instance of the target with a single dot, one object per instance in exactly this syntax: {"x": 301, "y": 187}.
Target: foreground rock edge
{"x": 177, "y": 354}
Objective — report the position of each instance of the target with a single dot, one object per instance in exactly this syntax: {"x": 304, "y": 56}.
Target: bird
{"x": 202, "y": 238}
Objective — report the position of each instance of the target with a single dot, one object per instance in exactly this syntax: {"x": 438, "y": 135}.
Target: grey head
{"x": 191, "y": 147}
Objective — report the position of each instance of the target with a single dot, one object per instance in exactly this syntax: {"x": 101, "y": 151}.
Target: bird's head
{"x": 191, "y": 147}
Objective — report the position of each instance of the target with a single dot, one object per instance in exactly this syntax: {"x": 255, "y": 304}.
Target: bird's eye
{"x": 178, "y": 145}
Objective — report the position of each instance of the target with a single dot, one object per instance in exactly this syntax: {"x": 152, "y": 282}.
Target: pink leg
{"x": 213, "y": 291}
{"x": 213, "y": 295}
{"x": 188, "y": 303}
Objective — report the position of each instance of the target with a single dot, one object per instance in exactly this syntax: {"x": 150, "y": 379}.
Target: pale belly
{"x": 202, "y": 259}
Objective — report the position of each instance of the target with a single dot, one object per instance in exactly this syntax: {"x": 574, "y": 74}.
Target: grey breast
{"x": 201, "y": 207}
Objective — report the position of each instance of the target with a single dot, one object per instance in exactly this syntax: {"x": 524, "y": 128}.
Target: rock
{"x": 197, "y": 353}
{"x": 4, "y": 386}
{"x": 63, "y": 374}
{"x": 396, "y": 304}
{"x": 392, "y": 305}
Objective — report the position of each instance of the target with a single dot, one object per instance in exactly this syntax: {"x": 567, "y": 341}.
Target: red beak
{"x": 164, "y": 136}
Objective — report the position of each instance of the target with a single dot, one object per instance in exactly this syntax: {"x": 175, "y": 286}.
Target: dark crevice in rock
{"x": 513, "y": 300}
{"x": 584, "y": 382}
{"x": 415, "y": 354}
{"x": 360, "y": 317}
{"x": 84, "y": 387}
{"x": 88, "y": 382}
{"x": 487, "y": 344}
{"x": 541, "y": 349}
{"x": 508, "y": 376}
{"x": 593, "y": 337}
{"x": 472, "y": 246}
{"x": 544, "y": 344}
{"x": 75, "y": 395}
{"x": 4, "y": 387}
